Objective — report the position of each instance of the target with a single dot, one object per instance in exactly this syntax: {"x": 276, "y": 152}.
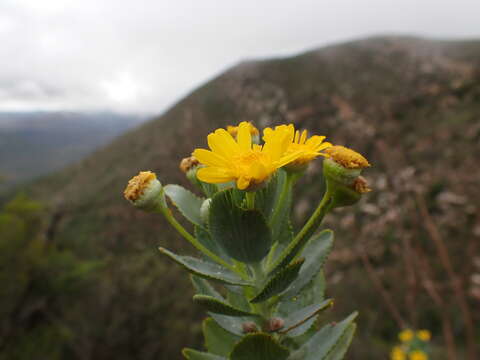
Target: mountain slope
{"x": 410, "y": 105}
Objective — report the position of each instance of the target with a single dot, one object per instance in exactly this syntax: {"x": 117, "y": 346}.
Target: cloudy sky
{"x": 143, "y": 55}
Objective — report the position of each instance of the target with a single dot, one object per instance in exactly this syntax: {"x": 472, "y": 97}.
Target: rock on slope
{"x": 411, "y": 105}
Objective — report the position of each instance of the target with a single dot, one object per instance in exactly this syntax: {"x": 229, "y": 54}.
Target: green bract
{"x": 262, "y": 282}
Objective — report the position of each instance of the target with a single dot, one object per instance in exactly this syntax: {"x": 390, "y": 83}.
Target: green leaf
{"x": 188, "y": 203}
{"x": 218, "y": 306}
{"x": 191, "y": 354}
{"x": 294, "y": 323}
{"x": 342, "y": 346}
{"x": 279, "y": 282}
{"x": 324, "y": 342}
{"x": 236, "y": 297}
{"x": 315, "y": 253}
{"x": 205, "y": 269}
{"x": 259, "y": 346}
{"x": 203, "y": 287}
{"x": 205, "y": 239}
{"x": 217, "y": 340}
{"x": 243, "y": 234}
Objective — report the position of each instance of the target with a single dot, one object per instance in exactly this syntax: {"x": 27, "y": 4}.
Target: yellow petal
{"x": 210, "y": 158}
{"x": 243, "y": 182}
{"x": 303, "y": 137}
{"x": 222, "y": 143}
{"x": 244, "y": 137}
{"x": 214, "y": 175}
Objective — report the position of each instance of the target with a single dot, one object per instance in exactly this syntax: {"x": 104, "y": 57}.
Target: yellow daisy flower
{"x": 417, "y": 355}
{"x": 397, "y": 353}
{"x": 424, "y": 335}
{"x": 241, "y": 161}
{"x": 233, "y": 130}
{"x": 309, "y": 148}
{"x": 405, "y": 335}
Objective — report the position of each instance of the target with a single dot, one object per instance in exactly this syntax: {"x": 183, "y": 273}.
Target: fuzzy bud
{"x": 145, "y": 191}
{"x": 275, "y": 324}
{"x": 249, "y": 327}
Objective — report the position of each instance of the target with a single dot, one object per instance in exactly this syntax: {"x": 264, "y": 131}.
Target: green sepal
{"x": 218, "y": 306}
{"x": 217, "y": 340}
{"x": 259, "y": 346}
{"x": 191, "y": 354}
{"x": 325, "y": 341}
{"x": 315, "y": 253}
{"x": 342, "y": 346}
{"x": 343, "y": 195}
{"x": 295, "y": 321}
{"x": 243, "y": 234}
{"x": 205, "y": 269}
{"x": 188, "y": 203}
{"x": 279, "y": 282}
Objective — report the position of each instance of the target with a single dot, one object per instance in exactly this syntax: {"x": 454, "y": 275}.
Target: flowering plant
{"x": 414, "y": 345}
{"x": 273, "y": 280}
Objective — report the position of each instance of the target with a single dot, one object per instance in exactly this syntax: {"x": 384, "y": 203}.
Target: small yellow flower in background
{"x": 417, "y": 355}
{"x": 397, "y": 353}
{"x": 347, "y": 157}
{"x": 406, "y": 335}
{"x": 309, "y": 148}
{"x": 233, "y": 130}
{"x": 424, "y": 335}
{"x": 239, "y": 160}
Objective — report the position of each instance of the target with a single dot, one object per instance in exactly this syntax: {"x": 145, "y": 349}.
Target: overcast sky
{"x": 142, "y": 55}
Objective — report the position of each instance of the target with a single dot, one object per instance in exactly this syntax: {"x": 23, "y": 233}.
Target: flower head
{"x": 145, "y": 191}
{"x": 239, "y": 160}
{"x": 418, "y": 355}
{"x": 346, "y": 157}
{"x": 188, "y": 164}
{"x": 397, "y": 353}
{"x": 424, "y": 335}
{"x": 309, "y": 148}
{"x": 405, "y": 335}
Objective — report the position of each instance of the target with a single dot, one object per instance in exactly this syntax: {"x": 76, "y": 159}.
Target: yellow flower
{"x": 347, "y": 157}
{"x": 406, "y": 335}
{"x": 233, "y": 130}
{"x": 397, "y": 353}
{"x": 309, "y": 148}
{"x": 241, "y": 161}
{"x": 424, "y": 335}
{"x": 417, "y": 355}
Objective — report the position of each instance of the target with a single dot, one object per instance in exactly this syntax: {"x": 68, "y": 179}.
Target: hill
{"x": 36, "y": 143}
{"x": 410, "y": 105}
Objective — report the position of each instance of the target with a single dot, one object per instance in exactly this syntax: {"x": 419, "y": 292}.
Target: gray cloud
{"x": 143, "y": 55}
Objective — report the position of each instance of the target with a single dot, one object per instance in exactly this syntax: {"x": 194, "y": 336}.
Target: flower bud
{"x": 205, "y": 210}
{"x": 275, "y": 324}
{"x": 145, "y": 192}
{"x": 249, "y": 327}
{"x": 189, "y": 166}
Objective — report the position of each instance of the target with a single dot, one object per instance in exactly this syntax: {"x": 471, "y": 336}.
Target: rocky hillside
{"x": 411, "y": 105}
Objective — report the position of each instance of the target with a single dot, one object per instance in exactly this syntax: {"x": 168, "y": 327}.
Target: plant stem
{"x": 259, "y": 277}
{"x": 281, "y": 200}
{"x": 250, "y": 197}
{"x": 192, "y": 240}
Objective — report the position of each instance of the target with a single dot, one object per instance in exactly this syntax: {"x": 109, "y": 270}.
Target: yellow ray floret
{"x": 233, "y": 130}
{"x": 347, "y": 157}
{"x": 241, "y": 161}
{"x": 309, "y": 148}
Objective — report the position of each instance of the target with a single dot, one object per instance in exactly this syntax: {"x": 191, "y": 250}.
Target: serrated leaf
{"x": 218, "y": 306}
{"x": 342, "y": 346}
{"x": 324, "y": 341}
{"x": 315, "y": 254}
{"x": 217, "y": 340}
{"x": 298, "y": 322}
{"x": 205, "y": 269}
{"x": 279, "y": 282}
{"x": 259, "y": 346}
{"x": 243, "y": 234}
{"x": 191, "y": 354}
{"x": 188, "y": 203}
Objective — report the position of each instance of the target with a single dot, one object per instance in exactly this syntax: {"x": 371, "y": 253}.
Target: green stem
{"x": 250, "y": 197}
{"x": 283, "y": 195}
{"x": 259, "y": 277}
{"x": 192, "y": 240}
{"x": 308, "y": 229}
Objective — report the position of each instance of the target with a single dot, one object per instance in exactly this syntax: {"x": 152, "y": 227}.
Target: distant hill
{"x": 37, "y": 143}
{"x": 411, "y": 105}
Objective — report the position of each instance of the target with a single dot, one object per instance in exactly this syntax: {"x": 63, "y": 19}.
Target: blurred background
{"x": 91, "y": 92}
